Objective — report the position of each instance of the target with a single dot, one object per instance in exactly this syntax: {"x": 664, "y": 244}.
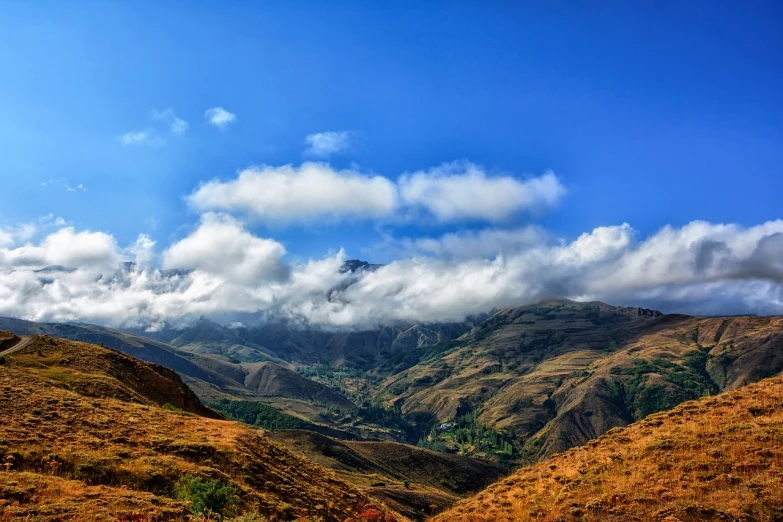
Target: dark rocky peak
{"x": 357, "y": 265}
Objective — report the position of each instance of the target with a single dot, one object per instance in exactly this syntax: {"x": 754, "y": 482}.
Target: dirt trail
{"x": 24, "y": 340}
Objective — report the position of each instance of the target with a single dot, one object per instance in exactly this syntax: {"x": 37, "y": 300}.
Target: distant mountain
{"x": 292, "y": 344}
{"x": 357, "y": 265}
{"x": 557, "y": 374}
{"x": 717, "y": 458}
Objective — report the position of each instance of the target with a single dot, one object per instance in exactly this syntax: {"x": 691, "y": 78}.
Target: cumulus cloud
{"x": 177, "y": 126}
{"x": 464, "y": 191}
{"x": 325, "y": 144}
{"x": 221, "y": 246}
{"x": 219, "y": 117}
{"x": 221, "y": 268}
{"x": 66, "y": 247}
{"x": 298, "y": 194}
{"x": 459, "y": 191}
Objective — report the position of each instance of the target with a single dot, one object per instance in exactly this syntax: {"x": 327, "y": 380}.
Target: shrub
{"x": 207, "y": 495}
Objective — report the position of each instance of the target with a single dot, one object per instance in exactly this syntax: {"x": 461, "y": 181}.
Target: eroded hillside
{"x": 83, "y": 434}
{"x": 558, "y": 374}
{"x": 718, "y": 458}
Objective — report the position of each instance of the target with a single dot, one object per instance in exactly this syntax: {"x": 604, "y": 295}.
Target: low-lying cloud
{"x": 221, "y": 268}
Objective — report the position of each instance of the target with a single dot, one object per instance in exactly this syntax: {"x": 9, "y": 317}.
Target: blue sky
{"x": 652, "y": 114}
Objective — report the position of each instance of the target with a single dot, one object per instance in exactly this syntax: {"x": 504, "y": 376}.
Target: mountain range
{"x": 515, "y": 387}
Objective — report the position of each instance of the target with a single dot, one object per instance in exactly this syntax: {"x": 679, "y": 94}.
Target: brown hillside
{"x": 558, "y": 374}
{"x": 95, "y": 371}
{"x": 85, "y": 442}
{"x": 719, "y": 458}
{"x": 433, "y": 478}
{"x": 269, "y": 379}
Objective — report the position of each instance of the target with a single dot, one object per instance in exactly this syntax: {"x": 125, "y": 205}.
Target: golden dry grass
{"x": 89, "y": 442}
{"x": 718, "y": 458}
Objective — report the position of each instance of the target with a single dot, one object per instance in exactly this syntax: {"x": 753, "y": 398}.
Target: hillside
{"x": 551, "y": 376}
{"x": 134, "y": 345}
{"x": 718, "y": 458}
{"x": 407, "y": 478}
{"x": 83, "y": 435}
{"x": 95, "y": 371}
{"x": 211, "y": 378}
{"x": 269, "y": 379}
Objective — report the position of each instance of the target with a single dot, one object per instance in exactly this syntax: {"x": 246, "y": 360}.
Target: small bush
{"x": 208, "y": 496}
{"x": 174, "y": 409}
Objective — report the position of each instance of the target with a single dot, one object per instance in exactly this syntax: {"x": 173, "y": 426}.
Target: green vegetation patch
{"x": 208, "y": 497}
{"x": 260, "y": 414}
{"x": 685, "y": 380}
{"x": 466, "y": 436}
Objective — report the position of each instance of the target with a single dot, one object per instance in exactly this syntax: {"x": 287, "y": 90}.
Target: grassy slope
{"x": 545, "y": 371}
{"x": 94, "y": 412}
{"x": 719, "y": 458}
{"x": 434, "y": 478}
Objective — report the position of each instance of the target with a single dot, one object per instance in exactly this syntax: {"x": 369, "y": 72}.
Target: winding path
{"x": 24, "y": 340}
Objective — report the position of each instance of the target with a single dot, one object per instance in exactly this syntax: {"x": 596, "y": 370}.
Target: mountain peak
{"x": 357, "y": 265}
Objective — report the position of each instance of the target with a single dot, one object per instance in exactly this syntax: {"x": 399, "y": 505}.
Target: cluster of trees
{"x": 684, "y": 381}
{"x": 260, "y": 414}
{"x": 466, "y": 435}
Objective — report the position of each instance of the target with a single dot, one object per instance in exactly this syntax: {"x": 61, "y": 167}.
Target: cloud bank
{"x": 220, "y": 268}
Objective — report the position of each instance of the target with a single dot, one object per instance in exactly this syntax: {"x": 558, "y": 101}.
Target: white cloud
{"x": 15, "y": 234}
{"x": 221, "y": 246}
{"x": 325, "y": 144}
{"x": 701, "y": 267}
{"x": 219, "y": 117}
{"x": 142, "y": 137}
{"x": 452, "y": 192}
{"x": 177, "y": 126}
{"x": 6, "y": 238}
{"x": 291, "y": 194}
{"x": 66, "y": 247}
{"x": 463, "y": 191}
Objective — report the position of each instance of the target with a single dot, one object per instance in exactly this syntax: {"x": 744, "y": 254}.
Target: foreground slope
{"x": 409, "y": 479}
{"x": 718, "y": 458}
{"x": 134, "y": 345}
{"x": 84, "y": 436}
